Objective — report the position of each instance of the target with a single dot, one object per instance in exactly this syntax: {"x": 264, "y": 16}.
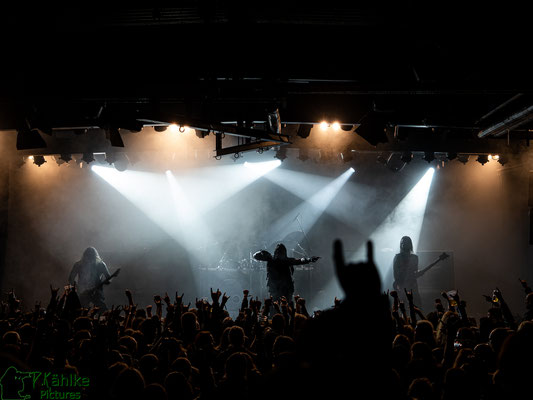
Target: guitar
{"x": 441, "y": 257}
{"x": 412, "y": 279}
{"x": 90, "y": 292}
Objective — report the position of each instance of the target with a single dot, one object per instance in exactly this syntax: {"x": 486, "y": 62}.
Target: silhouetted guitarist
{"x": 405, "y": 268}
{"x": 90, "y": 270}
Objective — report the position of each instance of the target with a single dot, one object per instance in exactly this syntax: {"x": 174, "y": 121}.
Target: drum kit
{"x": 240, "y": 258}
{"x": 236, "y": 269}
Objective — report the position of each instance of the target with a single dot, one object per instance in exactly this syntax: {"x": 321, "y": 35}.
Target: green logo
{"x": 13, "y": 385}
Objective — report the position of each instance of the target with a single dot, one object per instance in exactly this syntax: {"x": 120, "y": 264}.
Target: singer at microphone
{"x": 280, "y": 269}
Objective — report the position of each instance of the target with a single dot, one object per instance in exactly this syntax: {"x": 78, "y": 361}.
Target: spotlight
{"x": 482, "y": 159}
{"x": 502, "y": 160}
{"x": 304, "y": 130}
{"x": 182, "y": 128}
{"x": 38, "y": 160}
{"x": 303, "y": 155}
{"x": 173, "y": 128}
{"x": 463, "y": 158}
{"x": 236, "y": 156}
{"x": 88, "y": 158}
{"x": 451, "y": 156}
{"x": 65, "y": 157}
{"x": 281, "y": 154}
{"x": 121, "y": 162}
{"x": 110, "y": 158}
{"x": 100, "y": 158}
{"x": 201, "y": 134}
{"x": 347, "y": 128}
{"x": 406, "y": 157}
{"x": 395, "y": 162}
{"x": 428, "y": 156}
{"x": 336, "y": 126}
{"x": 324, "y": 125}
{"x": 160, "y": 128}
{"x": 496, "y": 157}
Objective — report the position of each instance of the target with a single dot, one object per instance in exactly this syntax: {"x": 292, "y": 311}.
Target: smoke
{"x": 165, "y": 243}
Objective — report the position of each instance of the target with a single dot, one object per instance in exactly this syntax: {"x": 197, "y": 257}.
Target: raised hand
{"x": 53, "y": 291}
{"x": 215, "y": 295}
{"x": 351, "y": 275}
{"x": 409, "y": 295}
{"x": 129, "y": 296}
{"x": 157, "y": 300}
{"x": 178, "y": 299}
{"x": 276, "y": 306}
{"x": 224, "y": 299}
{"x": 166, "y": 299}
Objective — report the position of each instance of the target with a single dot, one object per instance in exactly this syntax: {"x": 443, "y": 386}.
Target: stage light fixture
{"x": 463, "y": 158}
{"x": 395, "y": 162}
{"x": 121, "y": 162}
{"x": 502, "y": 160}
{"x": 304, "y": 130}
{"x": 281, "y": 154}
{"x": 174, "y": 128}
{"x": 324, "y": 125}
{"x": 88, "y": 158}
{"x": 429, "y": 156}
{"x": 110, "y": 158}
{"x": 496, "y": 157}
{"x": 160, "y": 128}
{"x": 451, "y": 156}
{"x": 482, "y": 159}
{"x": 336, "y": 126}
{"x": 201, "y": 134}
{"x": 38, "y": 160}
{"x": 347, "y": 128}
{"x": 65, "y": 157}
{"x": 182, "y": 128}
{"x": 406, "y": 157}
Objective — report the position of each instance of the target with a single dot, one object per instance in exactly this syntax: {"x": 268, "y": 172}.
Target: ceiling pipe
{"x": 514, "y": 121}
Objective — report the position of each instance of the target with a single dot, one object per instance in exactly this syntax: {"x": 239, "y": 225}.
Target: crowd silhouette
{"x": 369, "y": 345}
